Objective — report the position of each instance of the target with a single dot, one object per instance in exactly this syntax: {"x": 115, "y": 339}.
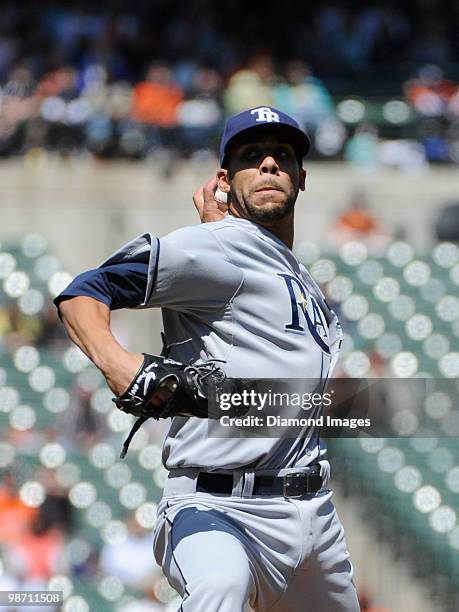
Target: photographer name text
{"x": 277, "y": 421}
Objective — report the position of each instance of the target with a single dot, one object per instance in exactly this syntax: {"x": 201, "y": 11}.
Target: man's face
{"x": 263, "y": 178}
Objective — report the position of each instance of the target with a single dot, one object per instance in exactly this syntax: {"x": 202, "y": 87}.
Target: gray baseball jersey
{"x": 241, "y": 296}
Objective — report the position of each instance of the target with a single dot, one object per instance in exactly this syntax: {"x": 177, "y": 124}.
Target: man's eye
{"x": 282, "y": 153}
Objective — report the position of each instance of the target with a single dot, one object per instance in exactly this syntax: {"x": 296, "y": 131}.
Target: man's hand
{"x": 209, "y": 209}
{"x": 120, "y": 374}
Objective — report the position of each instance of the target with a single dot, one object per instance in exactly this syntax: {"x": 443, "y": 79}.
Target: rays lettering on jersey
{"x": 305, "y": 309}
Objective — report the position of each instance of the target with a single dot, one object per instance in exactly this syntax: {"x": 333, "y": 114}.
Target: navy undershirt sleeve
{"x": 121, "y": 285}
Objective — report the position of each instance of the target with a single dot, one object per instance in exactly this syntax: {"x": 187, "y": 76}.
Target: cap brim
{"x": 293, "y": 135}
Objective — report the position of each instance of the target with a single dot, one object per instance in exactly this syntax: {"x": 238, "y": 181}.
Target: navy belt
{"x": 293, "y": 484}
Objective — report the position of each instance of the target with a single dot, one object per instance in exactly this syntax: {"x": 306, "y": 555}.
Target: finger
{"x": 209, "y": 209}
{"x": 209, "y": 190}
{"x": 198, "y": 200}
{"x": 223, "y": 206}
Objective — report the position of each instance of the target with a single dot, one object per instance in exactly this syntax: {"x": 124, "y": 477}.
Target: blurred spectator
{"x": 20, "y": 328}
{"x": 56, "y": 510}
{"x": 432, "y": 135}
{"x": 155, "y": 104}
{"x": 51, "y": 334}
{"x": 8, "y": 49}
{"x": 116, "y": 559}
{"x": 71, "y": 77}
{"x": 408, "y": 155}
{"x": 251, "y": 86}
{"x": 303, "y": 96}
{"x": 357, "y": 222}
{"x": 358, "y": 39}
{"x": 80, "y": 425}
{"x": 5, "y": 323}
{"x": 58, "y": 92}
{"x": 17, "y": 328}
{"x": 62, "y": 82}
{"x": 18, "y": 105}
{"x": 362, "y": 147}
{"x": 356, "y": 36}
{"x": 16, "y": 517}
{"x": 37, "y": 555}
{"x": 200, "y": 114}
{"x": 18, "y": 92}
{"x": 356, "y": 218}
{"x": 430, "y": 93}
{"x": 156, "y": 99}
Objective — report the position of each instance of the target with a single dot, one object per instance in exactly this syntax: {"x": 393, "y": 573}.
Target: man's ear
{"x": 302, "y": 179}
{"x": 223, "y": 180}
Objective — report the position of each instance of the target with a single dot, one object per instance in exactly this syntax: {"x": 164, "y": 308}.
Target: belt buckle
{"x": 295, "y": 484}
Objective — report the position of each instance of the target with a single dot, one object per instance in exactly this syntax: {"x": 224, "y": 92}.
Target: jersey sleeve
{"x": 186, "y": 270}
{"x": 120, "y": 285}
{"x": 192, "y": 273}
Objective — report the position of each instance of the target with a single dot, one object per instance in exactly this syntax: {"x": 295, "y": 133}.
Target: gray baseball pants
{"x": 221, "y": 553}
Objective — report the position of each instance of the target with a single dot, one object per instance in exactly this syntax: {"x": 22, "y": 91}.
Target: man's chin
{"x": 269, "y": 211}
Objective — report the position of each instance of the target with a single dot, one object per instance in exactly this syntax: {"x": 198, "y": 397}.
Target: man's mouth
{"x": 266, "y": 188}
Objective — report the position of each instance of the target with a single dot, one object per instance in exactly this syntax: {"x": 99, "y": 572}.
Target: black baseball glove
{"x": 190, "y": 390}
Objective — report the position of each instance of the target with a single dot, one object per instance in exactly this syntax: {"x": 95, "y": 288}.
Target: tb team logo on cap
{"x": 265, "y": 114}
{"x": 261, "y": 118}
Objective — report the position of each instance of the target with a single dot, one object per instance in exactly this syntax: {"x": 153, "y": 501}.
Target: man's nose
{"x": 269, "y": 165}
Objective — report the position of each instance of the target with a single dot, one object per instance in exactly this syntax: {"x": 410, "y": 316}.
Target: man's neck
{"x": 282, "y": 229}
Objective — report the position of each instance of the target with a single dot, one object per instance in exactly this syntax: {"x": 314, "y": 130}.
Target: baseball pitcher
{"x": 242, "y": 520}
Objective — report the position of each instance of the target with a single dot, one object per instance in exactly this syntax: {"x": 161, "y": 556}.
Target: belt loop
{"x": 325, "y": 471}
{"x": 238, "y": 483}
{"x": 249, "y": 482}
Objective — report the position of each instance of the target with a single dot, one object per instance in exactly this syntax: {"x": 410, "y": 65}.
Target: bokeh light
{"x": 32, "y": 493}
{"x": 16, "y": 284}
{"x": 26, "y": 358}
{"x": 426, "y": 499}
{"x": 22, "y": 417}
{"x": 146, "y": 515}
{"x": 83, "y": 494}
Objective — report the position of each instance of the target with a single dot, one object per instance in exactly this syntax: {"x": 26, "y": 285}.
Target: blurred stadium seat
{"x": 43, "y": 380}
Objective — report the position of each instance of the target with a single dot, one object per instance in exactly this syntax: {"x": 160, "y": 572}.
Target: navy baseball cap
{"x": 263, "y": 117}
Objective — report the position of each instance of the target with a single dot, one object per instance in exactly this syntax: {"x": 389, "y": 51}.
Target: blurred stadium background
{"x": 109, "y": 120}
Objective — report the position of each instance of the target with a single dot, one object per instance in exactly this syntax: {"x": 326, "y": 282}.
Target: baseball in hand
{"x": 221, "y": 196}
